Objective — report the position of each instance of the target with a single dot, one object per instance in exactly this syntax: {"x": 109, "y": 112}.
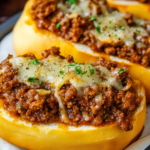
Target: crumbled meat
{"x": 129, "y": 18}
{"x": 70, "y": 59}
{"x": 76, "y": 29}
{"x": 106, "y": 63}
{"x": 95, "y": 105}
{"x": 53, "y": 51}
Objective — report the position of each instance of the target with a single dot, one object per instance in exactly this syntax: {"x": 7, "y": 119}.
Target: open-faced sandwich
{"x": 140, "y": 8}
{"x": 87, "y": 30}
{"x": 56, "y": 103}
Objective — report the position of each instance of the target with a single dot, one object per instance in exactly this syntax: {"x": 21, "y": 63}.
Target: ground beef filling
{"x": 24, "y": 101}
{"x": 93, "y": 105}
{"x": 113, "y": 106}
{"x": 47, "y": 16}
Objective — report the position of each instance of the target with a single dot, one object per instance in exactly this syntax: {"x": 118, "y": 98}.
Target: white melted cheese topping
{"x": 113, "y": 28}
{"x": 57, "y": 72}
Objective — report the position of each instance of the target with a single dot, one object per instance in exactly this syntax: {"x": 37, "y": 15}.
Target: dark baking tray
{"x": 7, "y": 26}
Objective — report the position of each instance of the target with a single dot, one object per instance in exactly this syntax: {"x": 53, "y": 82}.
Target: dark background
{"x": 9, "y": 8}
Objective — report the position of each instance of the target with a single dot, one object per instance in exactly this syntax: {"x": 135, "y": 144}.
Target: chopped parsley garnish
{"x": 138, "y": 31}
{"x": 98, "y": 28}
{"x": 58, "y": 25}
{"x": 105, "y": 116}
{"x": 88, "y": 76}
{"x": 80, "y": 63}
{"x": 72, "y": 64}
{"x": 109, "y": 21}
{"x": 19, "y": 107}
{"x": 91, "y": 64}
{"x": 64, "y": 66}
{"x": 122, "y": 27}
{"x": 62, "y": 73}
{"x": 93, "y": 19}
{"x": 121, "y": 71}
{"x": 115, "y": 34}
{"x": 91, "y": 71}
{"x": 54, "y": 63}
{"x": 40, "y": 82}
{"x": 96, "y": 81}
{"x": 34, "y": 62}
{"x": 74, "y": 7}
{"x": 120, "y": 83}
{"x": 79, "y": 71}
{"x": 76, "y": 122}
{"x": 110, "y": 28}
{"x": 32, "y": 79}
{"x": 71, "y": 1}
{"x": 100, "y": 23}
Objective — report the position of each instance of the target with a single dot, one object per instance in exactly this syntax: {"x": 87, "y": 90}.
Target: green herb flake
{"x": 62, "y": 73}
{"x": 105, "y": 116}
{"x": 138, "y": 31}
{"x": 109, "y": 21}
{"x": 98, "y": 28}
{"x": 74, "y": 7}
{"x": 80, "y": 63}
{"x": 115, "y": 34}
{"x": 91, "y": 71}
{"x": 72, "y": 64}
{"x": 93, "y": 19}
{"x": 58, "y": 25}
{"x": 46, "y": 88}
{"x": 96, "y": 81}
{"x": 91, "y": 64}
{"x": 121, "y": 83}
{"x": 34, "y": 62}
{"x": 121, "y": 71}
{"x": 55, "y": 63}
{"x": 88, "y": 76}
{"x": 98, "y": 93}
{"x": 76, "y": 122}
{"x": 100, "y": 23}
{"x": 19, "y": 107}
{"x": 122, "y": 27}
{"x": 40, "y": 82}
{"x": 110, "y": 28}
{"x": 64, "y": 66}
{"x": 32, "y": 79}
{"x": 71, "y": 1}
{"x": 79, "y": 71}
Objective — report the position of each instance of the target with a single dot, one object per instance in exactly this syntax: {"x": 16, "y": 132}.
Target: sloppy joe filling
{"x": 57, "y": 89}
{"x": 91, "y": 22}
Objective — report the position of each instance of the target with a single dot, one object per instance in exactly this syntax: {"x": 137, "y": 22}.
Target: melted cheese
{"x": 110, "y": 23}
{"x": 57, "y": 72}
{"x": 82, "y": 8}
